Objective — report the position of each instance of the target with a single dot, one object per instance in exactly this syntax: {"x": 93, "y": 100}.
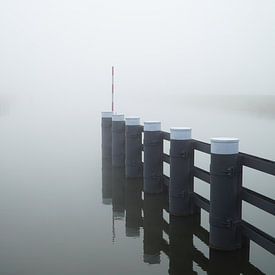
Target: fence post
{"x": 225, "y": 194}
{"x": 118, "y": 140}
{"x": 229, "y": 262}
{"x": 106, "y": 181}
{"x": 181, "y": 245}
{"x": 106, "y": 134}
{"x": 118, "y": 191}
{"x": 181, "y": 185}
{"x": 152, "y": 227}
{"x": 106, "y": 146}
{"x": 153, "y": 150}
{"x": 133, "y": 148}
{"x": 133, "y": 206}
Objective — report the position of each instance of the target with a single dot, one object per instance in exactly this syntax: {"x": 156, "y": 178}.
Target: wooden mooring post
{"x": 118, "y": 140}
{"x": 225, "y": 194}
{"x": 153, "y": 165}
{"x": 133, "y": 148}
{"x": 181, "y": 186}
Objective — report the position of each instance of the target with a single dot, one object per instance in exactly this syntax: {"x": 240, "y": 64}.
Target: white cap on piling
{"x": 180, "y": 133}
{"x": 132, "y": 121}
{"x": 224, "y": 146}
{"x": 117, "y": 117}
{"x": 106, "y": 114}
{"x": 151, "y": 126}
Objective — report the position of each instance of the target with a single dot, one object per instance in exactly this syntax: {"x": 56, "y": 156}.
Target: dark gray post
{"x": 106, "y": 134}
{"x": 106, "y": 146}
{"x": 118, "y": 192}
{"x": 133, "y": 206}
{"x": 181, "y": 185}
{"x": 106, "y": 180}
{"x": 181, "y": 246}
{"x": 133, "y": 148}
{"x": 153, "y": 165}
{"x": 118, "y": 140}
{"x": 225, "y": 194}
{"x": 229, "y": 262}
{"x": 152, "y": 225}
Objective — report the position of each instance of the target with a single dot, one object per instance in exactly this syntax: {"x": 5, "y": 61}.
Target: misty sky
{"x": 190, "y": 46}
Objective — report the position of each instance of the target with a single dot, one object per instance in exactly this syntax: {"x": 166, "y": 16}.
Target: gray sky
{"x": 191, "y": 46}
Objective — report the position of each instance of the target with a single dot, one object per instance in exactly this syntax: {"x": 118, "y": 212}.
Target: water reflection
{"x": 152, "y": 225}
{"x": 118, "y": 192}
{"x": 181, "y": 248}
{"x": 133, "y": 207}
{"x": 106, "y": 180}
{"x": 185, "y": 256}
{"x": 228, "y": 262}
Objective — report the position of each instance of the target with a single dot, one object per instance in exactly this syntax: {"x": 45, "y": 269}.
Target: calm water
{"x": 59, "y": 216}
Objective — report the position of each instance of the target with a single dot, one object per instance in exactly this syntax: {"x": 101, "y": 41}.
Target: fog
{"x": 63, "y": 51}
{"x": 205, "y": 64}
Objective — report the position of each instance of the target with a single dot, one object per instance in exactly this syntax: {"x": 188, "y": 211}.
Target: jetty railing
{"x": 228, "y": 231}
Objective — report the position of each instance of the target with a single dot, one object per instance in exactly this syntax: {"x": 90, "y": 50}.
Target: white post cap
{"x": 132, "y": 121}
{"x": 180, "y": 133}
{"x": 224, "y": 146}
{"x": 117, "y": 117}
{"x": 106, "y": 114}
{"x": 151, "y": 126}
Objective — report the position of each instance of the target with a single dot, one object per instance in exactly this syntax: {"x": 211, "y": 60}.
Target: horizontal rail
{"x": 166, "y": 180}
{"x": 201, "y": 146}
{"x": 258, "y": 236}
{"x": 166, "y": 135}
{"x": 202, "y": 202}
{"x": 259, "y": 200}
{"x": 260, "y": 164}
{"x": 166, "y": 158}
{"x": 201, "y": 174}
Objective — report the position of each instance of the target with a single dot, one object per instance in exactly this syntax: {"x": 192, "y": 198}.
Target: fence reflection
{"x": 147, "y": 213}
{"x": 118, "y": 192}
{"x": 106, "y": 180}
{"x": 133, "y": 206}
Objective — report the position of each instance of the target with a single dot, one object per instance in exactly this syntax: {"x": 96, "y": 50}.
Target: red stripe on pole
{"x": 113, "y": 87}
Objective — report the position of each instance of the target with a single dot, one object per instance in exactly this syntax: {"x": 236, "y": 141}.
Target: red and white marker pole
{"x": 113, "y": 88}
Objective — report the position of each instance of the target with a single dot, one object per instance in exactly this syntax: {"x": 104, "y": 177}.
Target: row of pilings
{"x": 122, "y": 144}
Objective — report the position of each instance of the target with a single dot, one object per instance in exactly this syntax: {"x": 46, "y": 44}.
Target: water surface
{"x": 55, "y": 219}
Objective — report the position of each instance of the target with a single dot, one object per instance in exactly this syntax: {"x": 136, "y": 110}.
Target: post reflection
{"x": 152, "y": 225}
{"x": 231, "y": 262}
{"x": 107, "y": 180}
{"x": 118, "y": 192}
{"x": 181, "y": 248}
{"x": 133, "y": 207}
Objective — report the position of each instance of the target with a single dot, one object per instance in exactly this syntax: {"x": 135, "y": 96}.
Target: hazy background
{"x": 63, "y": 50}
{"x": 205, "y": 64}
